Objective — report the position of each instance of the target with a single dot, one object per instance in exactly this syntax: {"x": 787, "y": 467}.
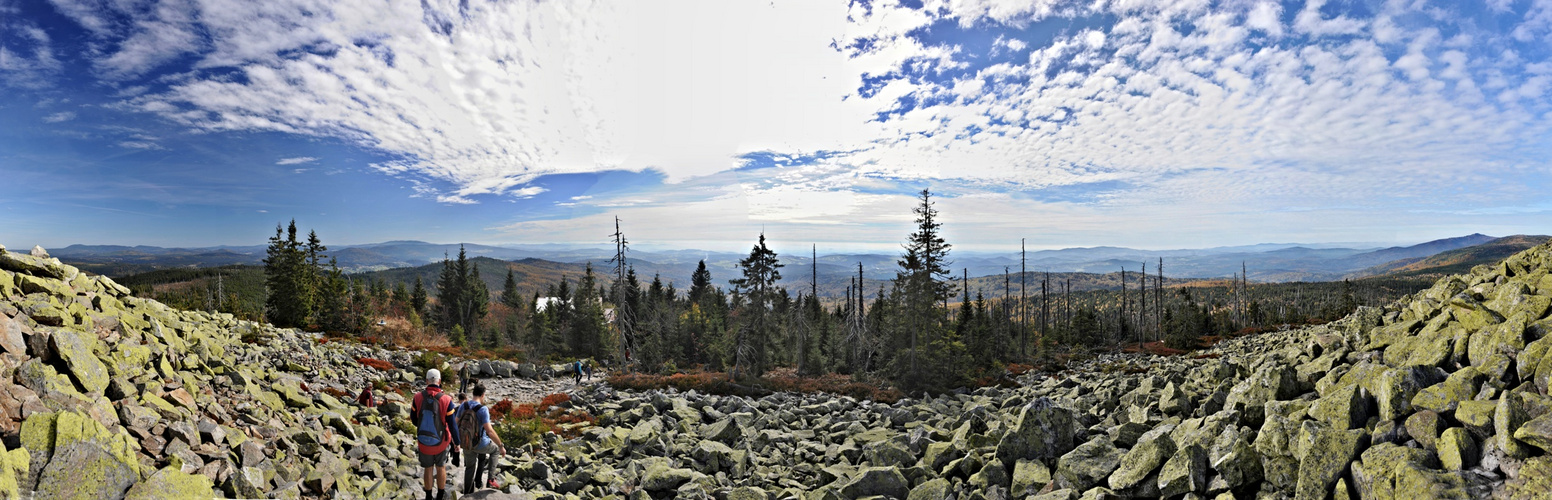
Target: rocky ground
{"x": 105, "y": 395}
{"x": 1441, "y": 395}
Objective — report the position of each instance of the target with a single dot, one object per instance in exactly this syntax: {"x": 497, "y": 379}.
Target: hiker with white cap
{"x": 432, "y": 414}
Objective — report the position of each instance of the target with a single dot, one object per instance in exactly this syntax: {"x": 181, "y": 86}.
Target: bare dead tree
{"x": 624, "y": 317}
{"x": 1158, "y": 303}
{"x": 1023, "y": 308}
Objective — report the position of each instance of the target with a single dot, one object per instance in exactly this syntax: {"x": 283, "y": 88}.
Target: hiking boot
{"x": 492, "y": 485}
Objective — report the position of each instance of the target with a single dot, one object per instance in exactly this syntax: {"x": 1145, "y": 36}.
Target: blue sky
{"x": 700, "y": 124}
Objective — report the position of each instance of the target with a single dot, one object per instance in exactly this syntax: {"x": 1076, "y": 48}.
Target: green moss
{"x": 129, "y": 361}
{"x": 171, "y": 483}
{"x": 37, "y": 432}
{"x": 154, "y": 401}
{"x": 89, "y": 461}
{"x": 77, "y": 350}
{"x": 14, "y": 465}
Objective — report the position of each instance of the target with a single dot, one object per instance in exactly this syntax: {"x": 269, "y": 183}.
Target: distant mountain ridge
{"x": 1265, "y": 262}
{"x": 1457, "y": 260}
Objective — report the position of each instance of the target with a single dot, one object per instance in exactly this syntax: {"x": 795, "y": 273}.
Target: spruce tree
{"x": 920, "y": 285}
{"x": 700, "y": 283}
{"x": 418, "y": 297}
{"x": 462, "y": 299}
{"x": 289, "y": 279}
{"x": 761, "y": 271}
{"x": 587, "y": 333}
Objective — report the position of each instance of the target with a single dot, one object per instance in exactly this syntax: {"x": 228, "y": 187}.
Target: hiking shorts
{"x": 429, "y": 461}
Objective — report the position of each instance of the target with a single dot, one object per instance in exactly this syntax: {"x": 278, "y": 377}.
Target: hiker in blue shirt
{"x": 480, "y": 443}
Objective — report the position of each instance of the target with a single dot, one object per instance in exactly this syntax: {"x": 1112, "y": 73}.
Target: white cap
{"x": 433, "y": 376}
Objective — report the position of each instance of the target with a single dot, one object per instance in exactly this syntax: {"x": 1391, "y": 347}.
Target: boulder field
{"x": 1442, "y": 394}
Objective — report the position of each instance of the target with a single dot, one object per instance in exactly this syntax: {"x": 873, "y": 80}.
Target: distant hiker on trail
{"x": 432, "y": 414}
{"x": 576, "y": 376}
{"x": 463, "y": 378}
{"x": 480, "y": 443}
{"x": 366, "y": 398}
{"x": 588, "y": 367}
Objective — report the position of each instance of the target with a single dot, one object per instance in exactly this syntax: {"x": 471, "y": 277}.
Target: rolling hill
{"x": 1459, "y": 260}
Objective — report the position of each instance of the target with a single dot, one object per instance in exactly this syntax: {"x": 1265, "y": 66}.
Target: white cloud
{"x": 528, "y": 192}
{"x": 1154, "y": 104}
{"x": 31, "y": 64}
{"x": 62, "y": 116}
{"x": 1210, "y": 107}
{"x": 504, "y": 92}
{"x": 296, "y": 160}
{"x": 146, "y": 145}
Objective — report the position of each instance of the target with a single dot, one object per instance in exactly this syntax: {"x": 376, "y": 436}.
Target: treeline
{"x": 923, "y": 328}
{"x": 238, "y": 289}
{"x": 306, "y": 291}
{"x": 1181, "y": 315}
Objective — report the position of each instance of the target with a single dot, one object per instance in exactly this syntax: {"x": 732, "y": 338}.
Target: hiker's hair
{"x": 463, "y": 396}
{"x": 479, "y": 391}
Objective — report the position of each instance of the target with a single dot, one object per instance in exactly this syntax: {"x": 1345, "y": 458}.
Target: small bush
{"x": 427, "y": 360}
{"x": 520, "y": 431}
{"x": 554, "y": 400}
{"x": 501, "y": 409}
{"x": 377, "y": 363}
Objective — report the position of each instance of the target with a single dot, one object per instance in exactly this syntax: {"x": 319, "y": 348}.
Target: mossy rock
{"x": 1477, "y": 416}
{"x": 1327, "y": 458}
{"x": 1537, "y": 432}
{"x": 88, "y": 461}
{"x": 1136, "y": 465}
{"x": 171, "y": 483}
{"x": 77, "y": 351}
{"x": 14, "y": 467}
{"x": 1445, "y": 396}
{"x": 1457, "y": 449}
{"x": 936, "y": 489}
{"x": 1534, "y": 481}
{"x": 1084, "y": 467}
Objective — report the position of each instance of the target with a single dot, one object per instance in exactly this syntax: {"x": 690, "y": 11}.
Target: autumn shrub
{"x": 338, "y": 394}
{"x": 554, "y": 400}
{"x": 377, "y": 363}
{"x": 501, "y": 409}
{"x": 564, "y": 422}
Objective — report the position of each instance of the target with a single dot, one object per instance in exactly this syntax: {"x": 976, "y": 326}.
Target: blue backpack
{"x": 433, "y": 422}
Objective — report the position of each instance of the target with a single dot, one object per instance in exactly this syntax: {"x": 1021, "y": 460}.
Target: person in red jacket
{"x": 432, "y": 414}
{"x": 366, "y": 399}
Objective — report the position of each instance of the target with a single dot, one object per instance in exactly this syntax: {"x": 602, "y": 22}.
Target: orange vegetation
{"x": 376, "y": 363}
